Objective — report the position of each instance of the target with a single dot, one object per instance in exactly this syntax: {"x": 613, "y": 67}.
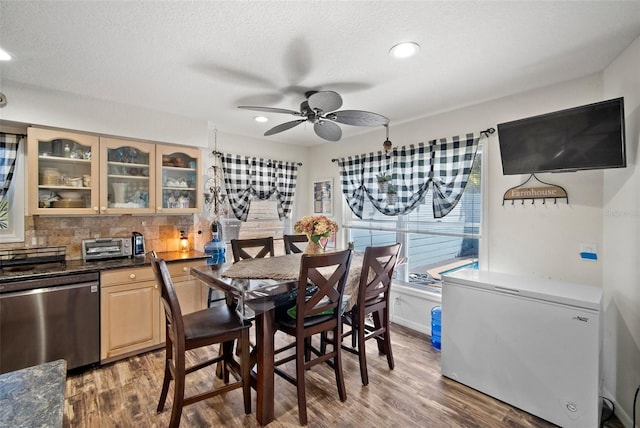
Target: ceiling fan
{"x": 319, "y": 109}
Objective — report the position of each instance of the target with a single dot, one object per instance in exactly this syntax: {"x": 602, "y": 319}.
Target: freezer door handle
{"x": 506, "y": 290}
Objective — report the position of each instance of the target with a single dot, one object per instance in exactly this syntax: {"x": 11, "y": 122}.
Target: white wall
{"x": 38, "y": 106}
{"x": 621, "y": 220}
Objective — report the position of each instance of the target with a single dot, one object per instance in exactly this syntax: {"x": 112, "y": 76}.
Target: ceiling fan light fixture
{"x": 261, "y": 119}
{"x": 404, "y": 50}
{"x": 4, "y": 55}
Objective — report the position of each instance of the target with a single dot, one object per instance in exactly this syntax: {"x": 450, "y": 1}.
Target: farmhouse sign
{"x": 548, "y": 191}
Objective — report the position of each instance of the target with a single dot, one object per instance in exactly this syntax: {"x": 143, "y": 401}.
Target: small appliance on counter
{"x": 137, "y": 242}
{"x": 105, "y": 248}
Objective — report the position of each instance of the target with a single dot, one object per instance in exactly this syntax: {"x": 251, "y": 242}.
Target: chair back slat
{"x": 329, "y": 273}
{"x": 169, "y": 299}
{"x": 262, "y": 247}
{"x": 377, "y": 272}
{"x": 290, "y": 246}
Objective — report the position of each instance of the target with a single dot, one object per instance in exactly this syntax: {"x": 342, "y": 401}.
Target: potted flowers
{"x": 318, "y": 229}
{"x": 392, "y": 194}
{"x": 383, "y": 181}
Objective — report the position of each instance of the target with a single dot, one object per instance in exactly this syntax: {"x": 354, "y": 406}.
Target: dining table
{"x": 256, "y": 286}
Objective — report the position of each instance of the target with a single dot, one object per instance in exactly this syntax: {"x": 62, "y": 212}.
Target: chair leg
{"x": 337, "y": 366}
{"x": 362, "y": 352}
{"x": 300, "y": 383}
{"x": 178, "y": 392}
{"x": 167, "y": 375}
{"x": 387, "y": 340}
{"x": 245, "y": 368}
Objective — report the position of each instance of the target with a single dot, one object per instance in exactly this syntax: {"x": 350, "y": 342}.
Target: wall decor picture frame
{"x": 323, "y": 196}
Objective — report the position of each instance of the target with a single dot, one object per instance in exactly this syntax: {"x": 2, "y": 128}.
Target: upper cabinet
{"x": 75, "y": 173}
{"x": 63, "y": 172}
{"x": 127, "y": 179}
{"x": 179, "y": 175}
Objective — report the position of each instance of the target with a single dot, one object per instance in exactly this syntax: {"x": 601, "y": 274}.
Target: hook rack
{"x": 548, "y": 191}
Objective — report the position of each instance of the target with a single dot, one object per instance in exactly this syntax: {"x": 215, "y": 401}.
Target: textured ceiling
{"x": 202, "y": 59}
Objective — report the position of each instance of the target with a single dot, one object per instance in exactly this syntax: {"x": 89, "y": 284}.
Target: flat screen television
{"x": 579, "y": 138}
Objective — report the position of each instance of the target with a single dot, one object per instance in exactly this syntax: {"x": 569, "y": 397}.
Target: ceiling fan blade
{"x": 270, "y": 110}
{"x": 325, "y": 100}
{"x": 327, "y": 130}
{"x": 358, "y": 118}
{"x": 283, "y": 127}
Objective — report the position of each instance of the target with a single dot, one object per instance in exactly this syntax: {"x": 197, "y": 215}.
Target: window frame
{"x": 403, "y": 230}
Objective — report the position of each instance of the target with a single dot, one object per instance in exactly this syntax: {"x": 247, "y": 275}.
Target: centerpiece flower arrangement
{"x": 318, "y": 229}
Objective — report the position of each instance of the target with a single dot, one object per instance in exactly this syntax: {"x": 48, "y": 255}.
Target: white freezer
{"x": 530, "y": 342}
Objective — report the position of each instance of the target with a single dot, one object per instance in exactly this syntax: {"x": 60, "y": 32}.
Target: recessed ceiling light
{"x": 404, "y": 50}
{"x": 261, "y": 119}
{"x": 4, "y": 56}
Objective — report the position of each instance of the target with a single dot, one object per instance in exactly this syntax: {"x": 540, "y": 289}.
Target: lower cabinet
{"x": 132, "y": 317}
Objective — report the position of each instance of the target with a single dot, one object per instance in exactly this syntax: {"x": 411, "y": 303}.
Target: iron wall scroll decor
{"x": 547, "y": 191}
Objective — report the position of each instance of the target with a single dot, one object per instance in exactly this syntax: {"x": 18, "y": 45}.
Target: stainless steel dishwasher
{"x": 50, "y": 317}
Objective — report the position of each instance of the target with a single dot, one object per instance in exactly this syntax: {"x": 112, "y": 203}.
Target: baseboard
{"x": 618, "y": 410}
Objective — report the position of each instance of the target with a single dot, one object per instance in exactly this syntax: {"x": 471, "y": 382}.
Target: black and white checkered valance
{"x": 8, "y": 152}
{"x": 443, "y": 163}
{"x": 247, "y": 178}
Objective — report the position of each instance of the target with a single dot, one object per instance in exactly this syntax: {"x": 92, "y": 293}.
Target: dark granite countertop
{"x": 33, "y": 397}
{"x": 77, "y": 266}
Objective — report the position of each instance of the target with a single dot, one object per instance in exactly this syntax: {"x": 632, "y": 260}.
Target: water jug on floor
{"x": 436, "y": 327}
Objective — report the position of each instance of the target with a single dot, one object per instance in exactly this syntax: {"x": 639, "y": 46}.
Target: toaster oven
{"x": 106, "y": 248}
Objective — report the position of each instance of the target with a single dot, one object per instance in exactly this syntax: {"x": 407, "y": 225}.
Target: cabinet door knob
{"x": 95, "y": 209}
{"x": 132, "y": 276}
{"x": 158, "y": 208}
{"x": 103, "y": 209}
{"x": 185, "y": 269}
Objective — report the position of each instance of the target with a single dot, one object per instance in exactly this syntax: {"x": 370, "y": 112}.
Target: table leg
{"x": 265, "y": 353}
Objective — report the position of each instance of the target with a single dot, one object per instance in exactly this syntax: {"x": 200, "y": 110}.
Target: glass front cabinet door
{"x": 179, "y": 175}
{"x": 128, "y": 177}
{"x": 63, "y": 172}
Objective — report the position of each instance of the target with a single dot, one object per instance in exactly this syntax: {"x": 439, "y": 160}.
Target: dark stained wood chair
{"x": 259, "y": 247}
{"x": 216, "y": 325}
{"x": 316, "y": 311}
{"x": 373, "y": 301}
{"x": 290, "y": 246}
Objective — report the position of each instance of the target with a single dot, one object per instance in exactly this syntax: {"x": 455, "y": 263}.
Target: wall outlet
{"x": 589, "y": 251}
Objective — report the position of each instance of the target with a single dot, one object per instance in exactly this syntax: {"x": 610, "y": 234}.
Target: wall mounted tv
{"x": 585, "y": 137}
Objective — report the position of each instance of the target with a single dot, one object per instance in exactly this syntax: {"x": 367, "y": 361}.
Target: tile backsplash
{"x": 161, "y": 233}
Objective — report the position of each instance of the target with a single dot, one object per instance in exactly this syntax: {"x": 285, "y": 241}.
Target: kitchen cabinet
{"x": 76, "y": 173}
{"x": 179, "y": 172}
{"x": 130, "y": 314}
{"x": 127, "y": 178}
{"x": 62, "y": 172}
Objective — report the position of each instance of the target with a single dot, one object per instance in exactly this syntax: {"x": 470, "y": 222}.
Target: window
{"x": 12, "y": 206}
{"x": 429, "y": 246}
{"x": 262, "y": 221}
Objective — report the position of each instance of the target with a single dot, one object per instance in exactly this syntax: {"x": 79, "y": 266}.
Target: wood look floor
{"x": 125, "y": 394}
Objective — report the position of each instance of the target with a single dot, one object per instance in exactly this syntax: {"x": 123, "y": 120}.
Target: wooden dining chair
{"x": 215, "y": 325}
{"x": 290, "y": 246}
{"x": 373, "y": 301}
{"x": 317, "y": 310}
{"x": 258, "y": 248}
